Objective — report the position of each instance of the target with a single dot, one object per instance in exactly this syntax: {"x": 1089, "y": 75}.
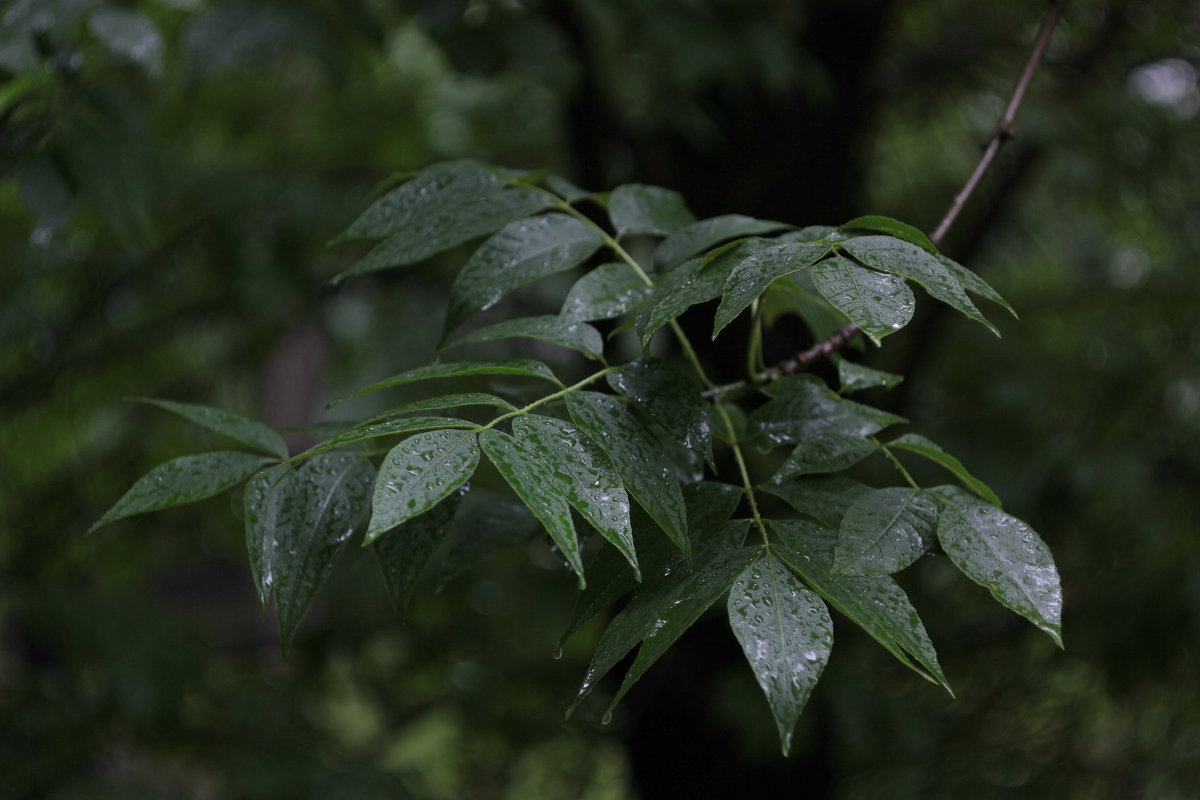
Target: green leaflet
{"x": 646, "y": 472}
{"x": 699, "y": 236}
{"x": 445, "y": 206}
{"x": 459, "y": 369}
{"x": 609, "y": 575}
{"x": 670, "y": 398}
{"x": 639, "y": 209}
{"x": 405, "y": 551}
{"x": 803, "y": 407}
{"x": 573, "y": 335}
{"x": 876, "y": 604}
{"x": 796, "y": 294}
{"x": 183, "y": 480}
{"x": 1003, "y": 554}
{"x": 918, "y": 444}
{"x": 695, "y": 281}
{"x": 661, "y": 610}
{"x": 419, "y": 473}
{"x": 297, "y": 524}
{"x": 519, "y": 253}
{"x": 826, "y": 498}
{"x": 246, "y": 431}
{"x": 885, "y": 530}
{"x": 374, "y": 430}
{"x": 876, "y": 302}
{"x": 829, "y": 450}
{"x": 538, "y": 487}
{"x": 902, "y": 258}
{"x": 585, "y": 477}
{"x": 892, "y": 227}
{"x": 565, "y": 189}
{"x": 456, "y": 400}
{"x": 608, "y": 291}
{"x": 786, "y": 633}
{"x": 751, "y": 276}
{"x": 854, "y": 377}
{"x": 975, "y": 284}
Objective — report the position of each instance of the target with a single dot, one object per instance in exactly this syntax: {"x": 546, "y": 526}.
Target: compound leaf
{"x": 786, "y": 633}
{"x": 803, "y": 408}
{"x": 459, "y": 369}
{"x": 419, "y": 473}
{"x": 1003, "y": 554}
{"x": 885, "y": 530}
{"x": 183, "y": 480}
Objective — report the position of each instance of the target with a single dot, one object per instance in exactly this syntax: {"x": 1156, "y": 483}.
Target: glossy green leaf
{"x": 699, "y": 236}
{"x": 375, "y": 430}
{"x": 405, "y": 551}
{"x": 662, "y": 609}
{"x": 796, "y": 295}
{"x": 695, "y": 281}
{"x": 1003, "y": 554}
{"x": 915, "y": 443}
{"x": 585, "y": 476}
{"x": 803, "y": 407}
{"x": 752, "y": 274}
{"x": 183, "y": 480}
{"x": 460, "y": 369}
{"x": 609, "y": 575}
{"x": 247, "y": 431}
{"x": 455, "y": 400}
{"x": 297, "y": 524}
{"x": 877, "y": 302}
{"x": 786, "y": 633}
{"x": 902, "y": 258}
{"x": 521, "y": 252}
{"x": 885, "y": 530}
{"x": 447, "y": 205}
{"x": 573, "y": 335}
{"x": 668, "y": 395}
{"x": 607, "y": 291}
{"x": 419, "y": 473}
{"x": 828, "y": 450}
{"x": 892, "y": 227}
{"x": 854, "y": 377}
{"x": 646, "y": 472}
{"x": 975, "y": 284}
{"x": 486, "y": 523}
{"x": 636, "y": 208}
{"x": 876, "y": 604}
{"x": 535, "y": 482}
{"x": 826, "y": 498}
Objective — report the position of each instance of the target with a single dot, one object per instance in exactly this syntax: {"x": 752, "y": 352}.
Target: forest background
{"x": 169, "y": 174}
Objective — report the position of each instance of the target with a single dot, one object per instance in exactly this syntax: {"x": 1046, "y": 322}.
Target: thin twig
{"x": 1004, "y": 132}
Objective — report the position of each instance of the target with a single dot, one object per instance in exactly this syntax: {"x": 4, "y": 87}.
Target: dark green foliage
{"x": 634, "y": 445}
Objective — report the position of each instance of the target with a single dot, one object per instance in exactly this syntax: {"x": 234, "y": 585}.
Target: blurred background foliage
{"x": 169, "y": 173}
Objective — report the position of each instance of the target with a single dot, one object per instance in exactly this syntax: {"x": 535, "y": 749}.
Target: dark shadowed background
{"x": 169, "y": 174}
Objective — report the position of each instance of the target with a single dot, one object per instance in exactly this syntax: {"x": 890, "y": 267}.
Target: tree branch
{"x": 1004, "y": 132}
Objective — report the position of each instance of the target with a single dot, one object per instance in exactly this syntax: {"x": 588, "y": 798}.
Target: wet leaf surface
{"x": 885, "y": 530}
{"x": 876, "y": 302}
{"x": 419, "y": 473}
{"x": 247, "y": 431}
